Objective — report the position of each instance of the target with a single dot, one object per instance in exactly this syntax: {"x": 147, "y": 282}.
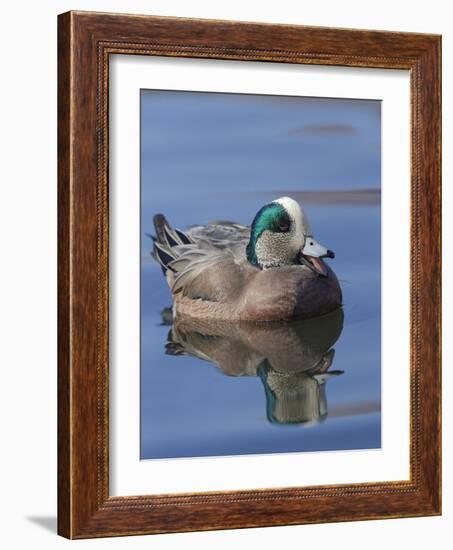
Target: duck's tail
{"x": 167, "y": 242}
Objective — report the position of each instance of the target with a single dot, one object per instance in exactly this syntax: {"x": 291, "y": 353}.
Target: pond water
{"x": 228, "y": 390}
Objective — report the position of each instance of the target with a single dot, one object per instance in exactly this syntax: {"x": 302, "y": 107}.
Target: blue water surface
{"x": 222, "y": 156}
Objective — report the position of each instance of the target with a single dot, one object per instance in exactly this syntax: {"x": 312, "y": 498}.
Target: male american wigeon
{"x": 273, "y": 270}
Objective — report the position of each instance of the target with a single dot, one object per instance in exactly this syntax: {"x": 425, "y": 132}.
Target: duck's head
{"x": 280, "y": 235}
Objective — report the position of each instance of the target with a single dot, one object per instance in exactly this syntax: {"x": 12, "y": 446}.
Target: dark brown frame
{"x": 85, "y": 42}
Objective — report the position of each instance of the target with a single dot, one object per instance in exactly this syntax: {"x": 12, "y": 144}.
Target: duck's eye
{"x": 283, "y": 227}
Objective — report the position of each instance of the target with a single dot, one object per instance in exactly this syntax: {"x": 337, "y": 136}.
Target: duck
{"x": 273, "y": 270}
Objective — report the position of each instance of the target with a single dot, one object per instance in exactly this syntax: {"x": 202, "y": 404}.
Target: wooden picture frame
{"x": 85, "y": 42}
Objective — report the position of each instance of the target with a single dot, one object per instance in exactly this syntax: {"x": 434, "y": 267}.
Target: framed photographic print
{"x": 249, "y": 275}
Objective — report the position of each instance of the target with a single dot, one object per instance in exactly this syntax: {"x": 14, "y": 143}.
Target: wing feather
{"x": 205, "y": 262}
{"x": 211, "y": 274}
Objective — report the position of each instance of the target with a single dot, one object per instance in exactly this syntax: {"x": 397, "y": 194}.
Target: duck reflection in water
{"x": 292, "y": 359}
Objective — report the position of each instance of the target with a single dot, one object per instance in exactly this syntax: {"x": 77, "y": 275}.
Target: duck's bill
{"x": 312, "y": 256}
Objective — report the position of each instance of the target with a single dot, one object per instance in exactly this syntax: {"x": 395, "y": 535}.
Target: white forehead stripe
{"x": 290, "y": 205}
{"x": 296, "y": 213}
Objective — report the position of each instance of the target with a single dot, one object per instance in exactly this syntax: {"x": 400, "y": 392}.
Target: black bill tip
{"x": 330, "y": 254}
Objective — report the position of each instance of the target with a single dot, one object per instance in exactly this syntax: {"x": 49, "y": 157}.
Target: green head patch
{"x": 272, "y": 217}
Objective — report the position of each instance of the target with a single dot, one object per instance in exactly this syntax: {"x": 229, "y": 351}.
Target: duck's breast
{"x": 289, "y": 293}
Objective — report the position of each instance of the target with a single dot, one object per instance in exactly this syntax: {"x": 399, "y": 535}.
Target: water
{"x": 218, "y": 156}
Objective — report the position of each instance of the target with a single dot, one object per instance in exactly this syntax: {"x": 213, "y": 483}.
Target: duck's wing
{"x": 206, "y": 262}
{"x": 209, "y": 273}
